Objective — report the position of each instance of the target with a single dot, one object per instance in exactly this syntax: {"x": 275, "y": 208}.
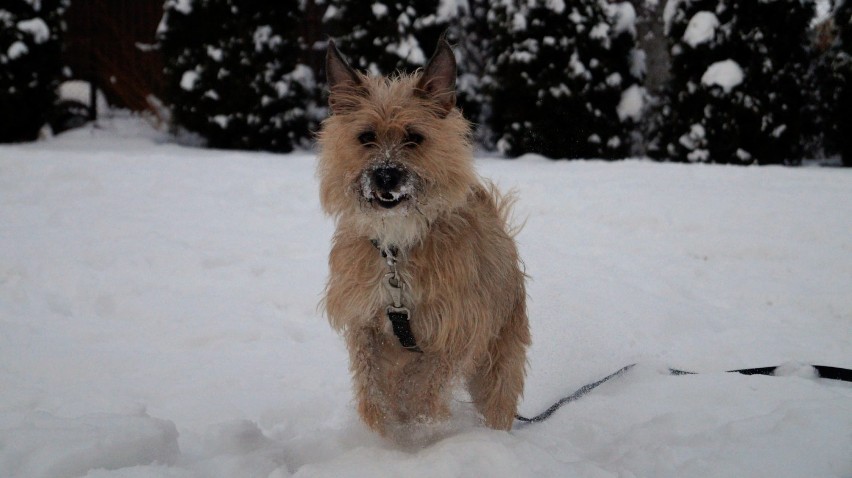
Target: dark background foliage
{"x": 535, "y": 76}
{"x": 557, "y": 76}
{"x": 758, "y": 120}
{"x": 30, "y": 65}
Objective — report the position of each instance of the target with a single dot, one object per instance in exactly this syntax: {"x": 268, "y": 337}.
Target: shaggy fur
{"x": 457, "y": 258}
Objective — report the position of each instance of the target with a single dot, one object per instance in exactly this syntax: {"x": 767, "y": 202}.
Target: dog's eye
{"x": 413, "y": 139}
{"x": 367, "y": 138}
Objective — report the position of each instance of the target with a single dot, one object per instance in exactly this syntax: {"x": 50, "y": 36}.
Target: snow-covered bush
{"x": 563, "y": 83}
{"x": 384, "y": 36}
{"x": 835, "y": 72}
{"x": 739, "y": 81}
{"x": 470, "y": 35}
{"x": 30, "y": 65}
{"x": 233, "y": 75}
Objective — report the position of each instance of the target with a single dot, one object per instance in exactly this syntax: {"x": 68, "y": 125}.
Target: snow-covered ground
{"x": 158, "y": 318}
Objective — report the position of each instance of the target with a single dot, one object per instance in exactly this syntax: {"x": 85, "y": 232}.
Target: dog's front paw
{"x": 373, "y": 416}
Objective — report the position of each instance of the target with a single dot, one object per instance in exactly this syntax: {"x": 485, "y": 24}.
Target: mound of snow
{"x": 727, "y": 74}
{"x": 80, "y": 91}
{"x": 701, "y": 29}
{"x": 632, "y": 103}
{"x": 37, "y": 445}
{"x": 36, "y": 28}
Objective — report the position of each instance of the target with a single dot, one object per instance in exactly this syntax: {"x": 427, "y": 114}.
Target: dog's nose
{"x": 388, "y": 178}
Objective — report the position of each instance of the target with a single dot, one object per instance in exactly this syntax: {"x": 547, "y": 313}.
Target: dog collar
{"x": 397, "y": 313}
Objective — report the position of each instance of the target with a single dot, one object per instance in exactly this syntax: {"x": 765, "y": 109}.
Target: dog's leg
{"x": 425, "y": 390}
{"x": 498, "y": 382}
{"x": 367, "y": 378}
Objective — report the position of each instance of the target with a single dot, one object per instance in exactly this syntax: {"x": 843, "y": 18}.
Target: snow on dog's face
{"x": 395, "y": 151}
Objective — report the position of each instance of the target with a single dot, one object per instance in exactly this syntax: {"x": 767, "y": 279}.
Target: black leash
{"x": 822, "y": 371}
{"x": 570, "y": 398}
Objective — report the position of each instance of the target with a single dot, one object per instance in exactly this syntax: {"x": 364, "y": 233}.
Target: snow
{"x": 556, "y": 6}
{"x": 449, "y": 10}
{"x": 632, "y": 103}
{"x": 614, "y": 79}
{"x": 183, "y": 6}
{"x": 409, "y": 49}
{"x": 701, "y": 29}
{"x": 36, "y": 28}
{"x": 188, "y": 79}
{"x": 669, "y": 12}
{"x": 576, "y": 67}
{"x": 80, "y": 91}
{"x": 600, "y": 32}
{"x": 575, "y": 16}
{"x": 303, "y": 75}
{"x": 743, "y": 155}
{"x": 519, "y": 22}
{"x": 695, "y": 138}
{"x": 36, "y": 4}
{"x": 638, "y": 63}
{"x": 222, "y": 120}
{"x": 330, "y": 12}
{"x": 158, "y": 318}
{"x": 16, "y": 50}
{"x": 822, "y": 11}
{"x": 216, "y": 54}
{"x": 624, "y": 16}
{"x": 263, "y": 38}
{"x": 50, "y": 446}
{"x": 726, "y": 74}
{"x": 379, "y": 9}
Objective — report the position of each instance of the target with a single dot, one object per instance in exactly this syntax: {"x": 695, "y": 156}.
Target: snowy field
{"x": 158, "y": 318}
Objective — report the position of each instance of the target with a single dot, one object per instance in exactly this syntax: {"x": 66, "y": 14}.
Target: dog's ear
{"x": 438, "y": 80}
{"x": 337, "y": 70}
{"x": 342, "y": 79}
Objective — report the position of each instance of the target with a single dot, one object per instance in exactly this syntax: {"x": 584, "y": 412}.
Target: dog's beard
{"x": 397, "y": 217}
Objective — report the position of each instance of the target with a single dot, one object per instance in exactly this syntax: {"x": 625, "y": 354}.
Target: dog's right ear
{"x": 337, "y": 70}
{"x": 339, "y": 75}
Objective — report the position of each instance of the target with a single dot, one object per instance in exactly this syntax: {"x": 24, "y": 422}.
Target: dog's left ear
{"x": 438, "y": 80}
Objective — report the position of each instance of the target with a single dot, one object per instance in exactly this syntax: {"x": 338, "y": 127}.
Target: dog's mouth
{"x": 389, "y": 200}
{"x": 388, "y": 187}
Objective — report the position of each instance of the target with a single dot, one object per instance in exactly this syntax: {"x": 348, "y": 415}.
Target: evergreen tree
{"x": 560, "y": 74}
{"x": 739, "y": 82}
{"x": 30, "y": 65}
{"x": 232, "y": 72}
{"x": 384, "y": 36}
{"x": 470, "y": 36}
{"x": 836, "y": 91}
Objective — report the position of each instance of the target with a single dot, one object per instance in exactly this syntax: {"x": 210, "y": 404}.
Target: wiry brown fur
{"x": 457, "y": 260}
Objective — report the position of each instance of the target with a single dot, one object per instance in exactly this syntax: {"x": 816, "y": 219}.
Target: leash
{"x": 822, "y": 371}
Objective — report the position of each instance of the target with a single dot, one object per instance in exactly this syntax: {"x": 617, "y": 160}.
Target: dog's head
{"x": 395, "y": 150}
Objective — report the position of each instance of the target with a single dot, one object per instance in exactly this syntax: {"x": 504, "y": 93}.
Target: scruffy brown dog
{"x": 425, "y": 281}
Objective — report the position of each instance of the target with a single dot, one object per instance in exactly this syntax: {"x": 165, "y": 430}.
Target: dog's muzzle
{"x": 387, "y": 185}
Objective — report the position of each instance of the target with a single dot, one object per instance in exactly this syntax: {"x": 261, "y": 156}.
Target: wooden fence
{"x": 110, "y": 43}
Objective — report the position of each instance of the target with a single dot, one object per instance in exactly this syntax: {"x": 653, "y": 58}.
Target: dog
{"x": 425, "y": 282}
